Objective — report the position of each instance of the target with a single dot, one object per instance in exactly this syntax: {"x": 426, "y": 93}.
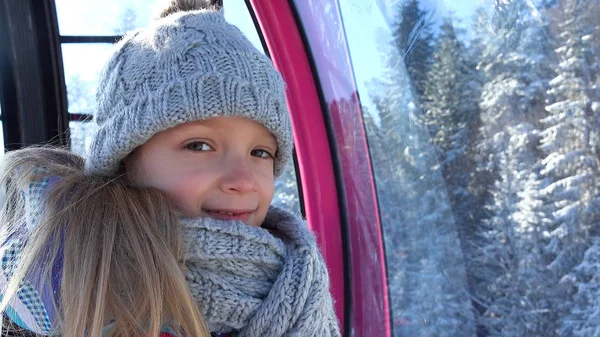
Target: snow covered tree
{"x": 510, "y": 264}
{"x": 517, "y": 63}
{"x": 584, "y": 317}
{"x": 426, "y": 272}
{"x": 126, "y": 21}
{"x": 451, "y": 97}
{"x": 451, "y": 90}
{"x": 508, "y": 274}
{"x": 286, "y": 190}
{"x": 571, "y": 143}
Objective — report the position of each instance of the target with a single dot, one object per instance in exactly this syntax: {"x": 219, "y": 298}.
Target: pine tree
{"x": 571, "y": 144}
{"x": 584, "y": 317}
{"x": 516, "y": 63}
{"x": 127, "y": 21}
{"x": 413, "y": 39}
{"x": 286, "y": 190}
{"x": 451, "y": 91}
{"x": 509, "y": 258}
{"x": 571, "y": 165}
{"x": 426, "y": 273}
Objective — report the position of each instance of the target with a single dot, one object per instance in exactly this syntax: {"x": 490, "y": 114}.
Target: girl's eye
{"x": 261, "y": 154}
{"x": 199, "y": 146}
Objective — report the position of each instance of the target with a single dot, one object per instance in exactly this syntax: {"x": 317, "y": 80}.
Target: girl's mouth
{"x": 229, "y": 214}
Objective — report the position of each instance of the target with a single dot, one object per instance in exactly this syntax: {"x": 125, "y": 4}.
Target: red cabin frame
{"x": 307, "y": 43}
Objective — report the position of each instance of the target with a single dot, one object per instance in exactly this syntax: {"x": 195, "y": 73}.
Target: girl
{"x": 166, "y": 225}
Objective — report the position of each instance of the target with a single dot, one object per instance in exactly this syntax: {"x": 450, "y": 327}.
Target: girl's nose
{"x": 238, "y": 177}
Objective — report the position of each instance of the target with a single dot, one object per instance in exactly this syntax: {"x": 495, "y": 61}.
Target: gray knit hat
{"x": 188, "y": 66}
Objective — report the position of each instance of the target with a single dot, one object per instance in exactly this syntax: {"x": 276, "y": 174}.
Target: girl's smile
{"x": 230, "y": 214}
{"x": 211, "y": 168}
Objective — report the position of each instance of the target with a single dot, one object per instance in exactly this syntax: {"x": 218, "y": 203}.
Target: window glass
{"x": 116, "y": 17}
{"x": 484, "y": 133}
{"x": 103, "y": 17}
{"x": 80, "y": 139}
{"x": 82, "y": 63}
{"x": 237, "y": 13}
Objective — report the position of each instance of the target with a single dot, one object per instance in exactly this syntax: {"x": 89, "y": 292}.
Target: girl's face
{"x": 221, "y": 167}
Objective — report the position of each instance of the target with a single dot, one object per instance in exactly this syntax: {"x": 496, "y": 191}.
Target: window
{"x": 483, "y": 130}
{"x": 103, "y": 17}
{"x": 87, "y": 31}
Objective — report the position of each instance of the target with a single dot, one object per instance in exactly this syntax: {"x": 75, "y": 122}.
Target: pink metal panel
{"x": 325, "y": 33}
{"x": 283, "y": 39}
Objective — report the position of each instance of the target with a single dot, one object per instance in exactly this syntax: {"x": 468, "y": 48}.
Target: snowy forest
{"x": 486, "y": 152}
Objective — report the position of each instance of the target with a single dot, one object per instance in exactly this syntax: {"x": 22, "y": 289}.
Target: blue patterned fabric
{"x": 32, "y": 308}
{"x": 33, "y": 301}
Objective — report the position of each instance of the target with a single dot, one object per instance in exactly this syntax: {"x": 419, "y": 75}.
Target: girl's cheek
{"x": 186, "y": 203}
{"x": 267, "y": 186}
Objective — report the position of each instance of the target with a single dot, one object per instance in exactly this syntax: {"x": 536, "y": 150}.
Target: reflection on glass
{"x": 82, "y": 65}
{"x": 484, "y": 132}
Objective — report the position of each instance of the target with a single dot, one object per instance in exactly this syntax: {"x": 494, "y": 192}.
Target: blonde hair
{"x": 121, "y": 248}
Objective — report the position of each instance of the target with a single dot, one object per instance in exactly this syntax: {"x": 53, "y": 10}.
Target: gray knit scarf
{"x": 267, "y": 281}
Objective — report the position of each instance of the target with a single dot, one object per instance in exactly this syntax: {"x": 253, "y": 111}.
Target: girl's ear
{"x": 130, "y": 167}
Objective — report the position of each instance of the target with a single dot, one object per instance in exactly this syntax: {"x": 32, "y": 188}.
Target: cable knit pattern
{"x": 259, "y": 281}
{"x": 186, "y": 67}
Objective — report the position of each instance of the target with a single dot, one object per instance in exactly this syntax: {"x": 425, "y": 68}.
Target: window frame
{"x": 31, "y": 66}
{"x": 342, "y": 187}
{"x": 325, "y": 43}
